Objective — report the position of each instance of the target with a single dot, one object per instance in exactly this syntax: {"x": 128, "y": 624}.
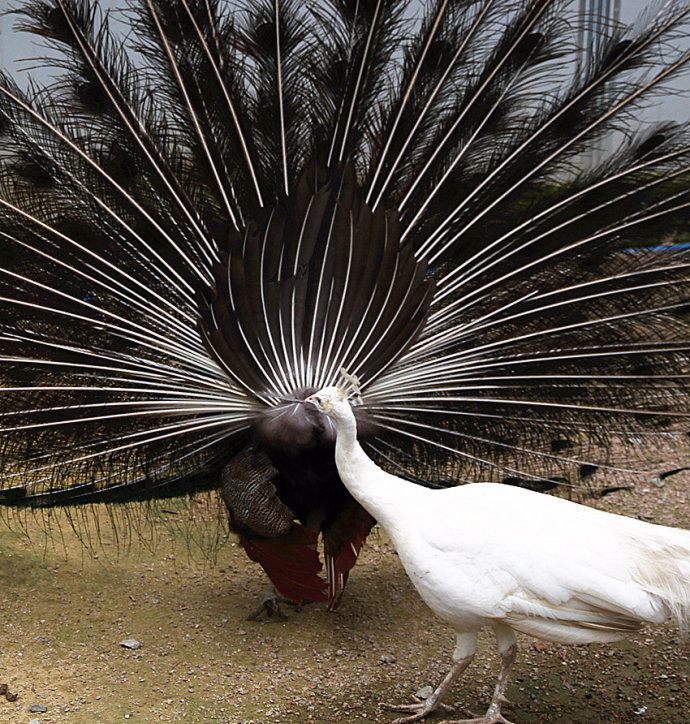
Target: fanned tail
{"x": 205, "y": 219}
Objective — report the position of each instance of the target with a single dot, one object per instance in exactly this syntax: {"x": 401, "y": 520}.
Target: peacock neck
{"x": 384, "y": 496}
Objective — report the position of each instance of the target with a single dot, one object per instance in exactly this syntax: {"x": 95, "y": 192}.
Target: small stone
{"x": 425, "y": 692}
{"x": 339, "y": 652}
{"x": 387, "y": 659}
{"x": 642, "y": 710}
{"x": 130, "y": 644}
{"x": 38, "y": 709}
{"x": 5, "y": 691}
{"x": 34, "y": 721}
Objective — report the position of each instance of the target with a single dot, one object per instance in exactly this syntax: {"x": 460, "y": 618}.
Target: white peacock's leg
{"x": 465, "y": 649}
{"x": 507, "y": 649}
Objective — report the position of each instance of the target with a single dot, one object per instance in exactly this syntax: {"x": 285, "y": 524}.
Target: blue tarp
{"x": 665, "y": 247}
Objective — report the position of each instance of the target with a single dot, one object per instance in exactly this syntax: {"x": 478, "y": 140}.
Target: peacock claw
{"x": 494, "y": 719}
{"x": 419, "y": 709}
{"x": 271, "y": 607}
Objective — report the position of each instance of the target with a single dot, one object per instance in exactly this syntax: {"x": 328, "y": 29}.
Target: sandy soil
{"x": 65, "y": 611}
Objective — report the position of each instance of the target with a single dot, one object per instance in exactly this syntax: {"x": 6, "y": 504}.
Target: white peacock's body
{"x": 548, "y": 567}
{"x": 486, "y": 554}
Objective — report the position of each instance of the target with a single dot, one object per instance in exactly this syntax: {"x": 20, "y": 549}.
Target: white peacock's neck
{"x": 384, "y": 496}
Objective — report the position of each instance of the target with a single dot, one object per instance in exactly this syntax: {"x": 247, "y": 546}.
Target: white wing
{"x": 549, "y": 567}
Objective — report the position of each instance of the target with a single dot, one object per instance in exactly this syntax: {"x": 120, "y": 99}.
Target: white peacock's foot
{"x": 419, "y": 710}
{"x": 488, "y": 719}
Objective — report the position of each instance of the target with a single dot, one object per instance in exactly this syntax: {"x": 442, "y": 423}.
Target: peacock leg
{"x": 507, "y": 650}
{"x": 462, "y": 656}
{"x": 271, "y": 606}
{"x": 291, "y": 562}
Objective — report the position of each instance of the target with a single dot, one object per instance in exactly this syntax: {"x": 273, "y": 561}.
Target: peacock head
{"x": 308, "y": 418}
{"x": 331, "y": 401}
{"x": 335, "y": 401}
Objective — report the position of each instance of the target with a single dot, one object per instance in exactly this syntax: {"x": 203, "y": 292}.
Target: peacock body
{"x": 202, "y": 221}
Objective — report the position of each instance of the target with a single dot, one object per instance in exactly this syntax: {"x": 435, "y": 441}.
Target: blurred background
{"x": 17, "y": 46}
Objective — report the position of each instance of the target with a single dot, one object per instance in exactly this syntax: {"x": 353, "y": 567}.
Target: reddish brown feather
{"x": 343, "y": 542}
{"x": 291, "y": 562}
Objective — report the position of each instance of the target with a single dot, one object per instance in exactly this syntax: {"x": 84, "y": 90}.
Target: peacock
{"x": 209, "y": 208}
{"x": 499, "y": 557}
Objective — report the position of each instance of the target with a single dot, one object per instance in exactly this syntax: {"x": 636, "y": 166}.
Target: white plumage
{"x": 493, "y": 555}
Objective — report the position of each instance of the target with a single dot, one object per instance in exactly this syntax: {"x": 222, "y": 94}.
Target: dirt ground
{"x": 65, "y": 612}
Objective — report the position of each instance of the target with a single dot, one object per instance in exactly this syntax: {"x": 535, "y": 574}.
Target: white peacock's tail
{"x": 207, "y": 219}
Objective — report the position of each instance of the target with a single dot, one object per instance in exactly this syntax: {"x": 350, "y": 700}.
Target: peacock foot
{"x": 488, "y": 718}
{"x": 272, "y": 607}
{"x": 419, "y": 709}
{"x": 492, "y": 716}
